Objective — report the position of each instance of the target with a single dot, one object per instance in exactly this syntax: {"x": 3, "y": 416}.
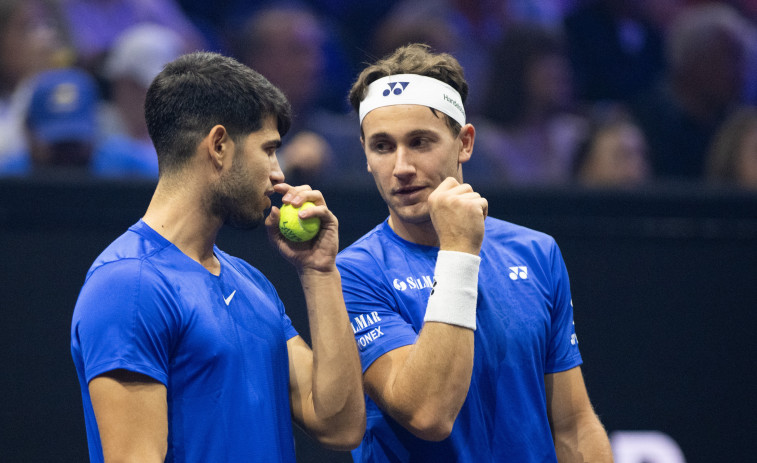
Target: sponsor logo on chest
{"x": 421, "y": 282}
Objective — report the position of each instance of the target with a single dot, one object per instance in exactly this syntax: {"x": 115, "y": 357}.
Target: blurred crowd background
{"x": 597, "y": 93}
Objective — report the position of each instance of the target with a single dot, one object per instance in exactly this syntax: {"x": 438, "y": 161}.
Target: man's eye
{"x": 420, "y": 142}
{"x": 381, "y": 147}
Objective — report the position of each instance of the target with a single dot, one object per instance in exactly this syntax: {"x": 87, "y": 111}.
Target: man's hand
{"x": 318, "y": 254}
{"x": 458, "y": 214}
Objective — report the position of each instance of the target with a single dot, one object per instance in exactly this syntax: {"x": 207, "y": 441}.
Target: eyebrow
{"x": 275, "y": 144}
{"x": 414, "y": 133}
{"x": 419, "y": 132}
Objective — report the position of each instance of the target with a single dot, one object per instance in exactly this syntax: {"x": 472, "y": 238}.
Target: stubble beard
{"x": 234, "y": 201}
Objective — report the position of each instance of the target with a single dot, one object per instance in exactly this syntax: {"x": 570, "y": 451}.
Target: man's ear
{"x": 362, "y": 143}
{"x": 467, "y": 137}
{"x": 218, "y": 146}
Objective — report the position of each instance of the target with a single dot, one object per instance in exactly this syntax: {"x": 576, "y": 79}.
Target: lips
{"x": 407, "y": 190}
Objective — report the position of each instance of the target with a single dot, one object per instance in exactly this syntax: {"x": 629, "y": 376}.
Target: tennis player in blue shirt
{"x": 185, "y": 353}
{"x": 464, "y": 322}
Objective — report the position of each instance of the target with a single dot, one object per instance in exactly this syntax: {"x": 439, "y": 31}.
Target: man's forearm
{"x": 427, "y": 392}
{"x": 589, "y": 443}
{"x": 337, "y": 379}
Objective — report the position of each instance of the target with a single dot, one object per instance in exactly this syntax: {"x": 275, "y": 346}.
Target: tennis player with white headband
{"x": 464, "y": 322}
{"x": 413, "y": 89}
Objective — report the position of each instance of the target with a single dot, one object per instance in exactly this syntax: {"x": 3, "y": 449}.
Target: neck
{"x": 419, "y": 233}
{"x": 177, "y": 213}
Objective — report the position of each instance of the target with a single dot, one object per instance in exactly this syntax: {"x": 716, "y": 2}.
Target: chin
{"x": 240, "y": 222}
{"x": 414, "y": 214}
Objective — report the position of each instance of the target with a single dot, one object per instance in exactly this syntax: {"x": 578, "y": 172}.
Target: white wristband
{"x": 453, "y": 297}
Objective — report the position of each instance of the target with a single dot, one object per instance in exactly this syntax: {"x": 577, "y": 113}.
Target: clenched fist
{"x": 458, "y": 214}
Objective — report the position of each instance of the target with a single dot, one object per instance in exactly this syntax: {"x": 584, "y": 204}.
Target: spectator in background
{"x": 287, "y": 44}
{"x": 545, "y": 13}
{"x": 614, "y": 154}
{"x": 60, "y": 126}
{"x": 704, "y": 80}
{"x": 615, "y": 50}
{"x": 399, "y": 29}
{"x": 96, "y": 24}
{"x": 733, "y": 155}
{"x": 356, "y": 23}
{"x": 532, "y": 127}
{"x": 32, "y": 39}
{"x": 472, "y": 29}
{"x": 137, "y": 56}
{"x": 63, "y": 136}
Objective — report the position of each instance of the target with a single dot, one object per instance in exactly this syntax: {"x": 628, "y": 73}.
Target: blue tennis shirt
{"x": 218, "y": 344}
{"x": 524, "y": 330}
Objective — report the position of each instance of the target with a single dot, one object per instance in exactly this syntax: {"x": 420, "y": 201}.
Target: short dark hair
{"x": 414, "y": 58}
{"x": 199, "y": 90}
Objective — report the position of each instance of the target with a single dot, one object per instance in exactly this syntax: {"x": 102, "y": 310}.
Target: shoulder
{"x": 371, "y": 260}
{"x": 122, "y": 279}
{"x": 504, "y": 232}
{"x": 507, "y": 244}
{"x": 136, "y": 261}
{"x": 127, "y": 253}
{"x": 366, "y": 248}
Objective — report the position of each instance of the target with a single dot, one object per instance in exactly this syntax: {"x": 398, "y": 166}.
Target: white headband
{"x": 413, "y": 89}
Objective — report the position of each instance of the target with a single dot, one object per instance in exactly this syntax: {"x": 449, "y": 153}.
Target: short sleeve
{"x": 375, "y": 313}
{"x": 289, "y": 330}
{"x": 563, "y": 352}
{"x": 126, "y": 318}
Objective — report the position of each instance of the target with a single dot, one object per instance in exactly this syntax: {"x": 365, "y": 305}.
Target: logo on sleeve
{"x": 573, "y": 337}
{"x": 365, "y": 323}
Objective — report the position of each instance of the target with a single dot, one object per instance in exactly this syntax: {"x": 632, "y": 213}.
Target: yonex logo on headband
{"x": 394, "y": 89}
{"x": 413, "y": 89}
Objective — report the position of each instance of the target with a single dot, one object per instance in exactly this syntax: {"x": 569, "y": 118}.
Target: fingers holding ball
{"x": 295, "y": 229}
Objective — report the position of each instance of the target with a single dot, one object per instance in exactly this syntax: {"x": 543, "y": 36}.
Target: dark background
{"x": 663, "y": 282}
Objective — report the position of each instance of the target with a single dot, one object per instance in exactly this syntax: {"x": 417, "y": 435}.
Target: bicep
{"x": 132, "y": 415}
{"x": 380, "y": 376}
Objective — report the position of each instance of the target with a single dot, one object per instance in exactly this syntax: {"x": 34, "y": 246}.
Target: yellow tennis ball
{"x": 295, "y": 229}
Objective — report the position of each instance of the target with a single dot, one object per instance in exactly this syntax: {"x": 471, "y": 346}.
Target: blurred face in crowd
{"x": 618, "y": 157}
{"x": 715, "y": 73}
{"x": 549, "y": 82}
{"x": 73, "y": 153}
{"x": 30, "y": 42}
{"x": 410, "y": 151}
{"x": 292, "y": 57}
